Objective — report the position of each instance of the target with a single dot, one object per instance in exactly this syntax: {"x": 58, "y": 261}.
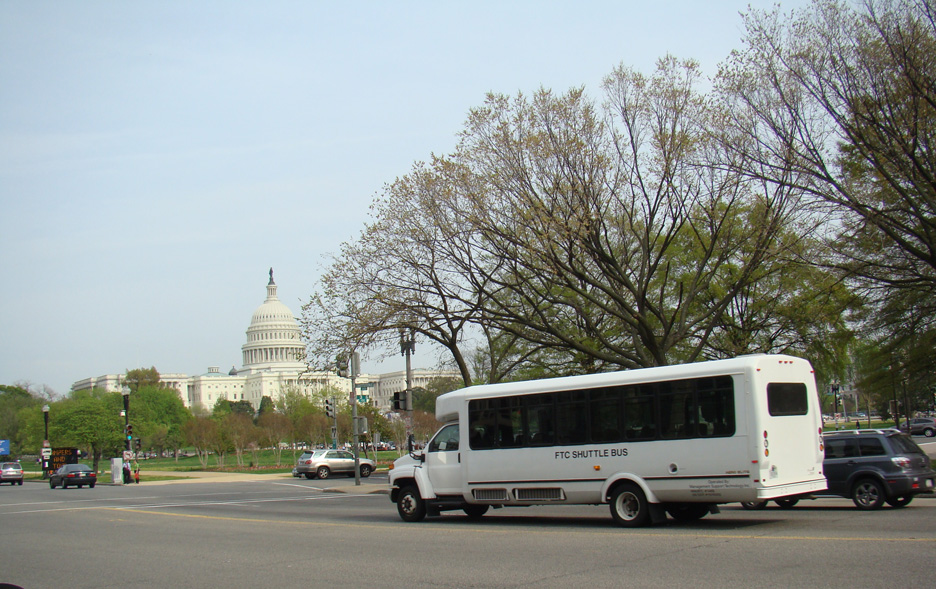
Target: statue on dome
{"x": 271, "y": 275}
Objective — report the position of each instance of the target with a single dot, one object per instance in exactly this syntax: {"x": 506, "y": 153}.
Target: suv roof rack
{"x": 886, "y": 430}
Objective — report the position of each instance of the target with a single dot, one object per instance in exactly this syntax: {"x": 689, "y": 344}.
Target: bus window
{"x": 571, "y": 417}
{"x": 606, "y": 415}
{"x": 787, "y": 398}
{"x": 639, "y": 416}
{"x": 482, "y": 421}
{"x": 541, "y": 420}
{"x": 446, "y": 440}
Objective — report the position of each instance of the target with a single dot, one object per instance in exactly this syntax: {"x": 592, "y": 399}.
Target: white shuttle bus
{"x": 674, "y": 439}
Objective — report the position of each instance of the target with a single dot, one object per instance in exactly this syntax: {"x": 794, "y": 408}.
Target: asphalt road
{"x": 285, "y": 532}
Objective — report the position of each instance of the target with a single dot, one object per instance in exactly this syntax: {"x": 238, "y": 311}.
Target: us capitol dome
{"x": 272, "y": 364}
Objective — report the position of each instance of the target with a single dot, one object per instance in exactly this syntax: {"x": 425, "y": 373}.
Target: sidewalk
{"x": 338, "y": 484}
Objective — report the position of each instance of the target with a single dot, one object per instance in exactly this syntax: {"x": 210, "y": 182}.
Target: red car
{"x": 73, "y": 475}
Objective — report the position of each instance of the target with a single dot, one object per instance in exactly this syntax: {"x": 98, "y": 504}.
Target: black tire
{"x": 322, "y": 472}
{"x": 410, "y": 506}
{"x": 687, "y": 512}
{"x": 64, "y": 485}
{"x": 21, "y": 482}
{"x": 929, "y": 432}
{"x": 786, "y": 503}
{"x": 475, "y": 511}
{"x": 754, "y": 505}
{"x": 900, "y": 501}
{"x": 51, "y": 485}
{"x": 90, "y": 485}
{"x": 365, "y": 470}
{"x": 629, "y": 506}
{"x": 310, "y": 475}
{"x": 868, "y": 494}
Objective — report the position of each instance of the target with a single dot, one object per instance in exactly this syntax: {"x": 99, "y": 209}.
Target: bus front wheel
{"x": 629, "y": 506}
{"x": 410, "y": 505}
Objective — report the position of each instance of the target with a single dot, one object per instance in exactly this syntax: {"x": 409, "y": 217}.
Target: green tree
{"x": 89, "y": 420}
{"x": 158, "y": 414}
{"x": 200, "y": 432}
{"x": 275, "y": 430}
{"x": 14, "y": 400}
{"x": 141, "y": 377}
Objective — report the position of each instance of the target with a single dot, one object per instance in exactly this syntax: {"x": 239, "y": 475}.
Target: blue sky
{"x": 157, "y": 158}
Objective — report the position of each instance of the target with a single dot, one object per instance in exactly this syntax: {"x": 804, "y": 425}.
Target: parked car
{"x": 871, "y": 467}
{"x": 322, "y": 463}
{"x": 73, "y": 475}
{"x": 920, "y": 425}
{"x": 11, "y": 472}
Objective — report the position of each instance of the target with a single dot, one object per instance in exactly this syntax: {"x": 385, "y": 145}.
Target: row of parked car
{"x": 871, "y": 467}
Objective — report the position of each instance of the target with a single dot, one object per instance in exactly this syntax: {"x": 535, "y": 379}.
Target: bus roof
{"x": 447, "y": 405}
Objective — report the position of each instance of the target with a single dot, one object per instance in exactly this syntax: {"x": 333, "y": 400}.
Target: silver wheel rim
{"x": 627, "y": 506}
{"x": 867, "y": 494}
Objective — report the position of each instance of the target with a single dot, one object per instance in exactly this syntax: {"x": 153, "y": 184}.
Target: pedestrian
{"x": 136, "y": 471}
{"x": 126, "y": 473}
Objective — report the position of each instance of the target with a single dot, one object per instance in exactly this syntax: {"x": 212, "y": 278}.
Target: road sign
{"x": 47, "y": 452}
{"x": 4, "y": 447}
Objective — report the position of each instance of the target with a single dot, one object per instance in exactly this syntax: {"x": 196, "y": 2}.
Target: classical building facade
{"x": 271, "y": 365}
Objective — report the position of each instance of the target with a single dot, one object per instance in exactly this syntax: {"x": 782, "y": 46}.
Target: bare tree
{"x": 841, "y": 101}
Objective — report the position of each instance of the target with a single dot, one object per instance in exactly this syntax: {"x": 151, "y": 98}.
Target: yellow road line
{"x": 623, "y": 534}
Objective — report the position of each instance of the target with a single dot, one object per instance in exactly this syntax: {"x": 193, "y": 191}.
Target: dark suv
{"x": 871, "y": 467}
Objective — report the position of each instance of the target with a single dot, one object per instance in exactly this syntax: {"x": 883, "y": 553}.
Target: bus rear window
{"x": 787, "y": 398}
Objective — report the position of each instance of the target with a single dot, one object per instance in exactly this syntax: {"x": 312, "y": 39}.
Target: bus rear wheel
{"x": 629, "y": 506}
{"x": 687, "y": 512}
{"x": 475, "y": 511}
{"x": 410, "y": 506}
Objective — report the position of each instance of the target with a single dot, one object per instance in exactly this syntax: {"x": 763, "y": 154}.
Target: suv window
{"x": 841, "y": 447}
{"x": 871, "y": 447}
{"x": 904, "y": 445}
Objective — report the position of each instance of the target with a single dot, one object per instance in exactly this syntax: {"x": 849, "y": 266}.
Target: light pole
{"x": 46, "y": 446}
{"x": 407, "y": 347}
{"x": 45, "y": 416}
{"x": 126, "y": 414}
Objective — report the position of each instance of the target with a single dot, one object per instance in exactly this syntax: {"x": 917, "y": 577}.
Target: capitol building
{"x": 271, "y": 365}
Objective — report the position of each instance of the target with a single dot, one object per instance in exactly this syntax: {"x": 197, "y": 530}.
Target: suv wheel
{"x": 929, "y": 432}
{"x": 322, "y": 472}
{"x": 900, "y": 501}
{"x": 868, "y": 494}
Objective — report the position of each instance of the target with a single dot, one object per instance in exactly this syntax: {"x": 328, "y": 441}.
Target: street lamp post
{"x": 45, "y": 416}
{"x": 46, "y": 446}
{"x": 407, "y": 348}
{"x": 126, "y": 413}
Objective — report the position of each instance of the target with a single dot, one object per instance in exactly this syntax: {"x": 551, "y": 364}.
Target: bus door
{"x": 443, "y": 461}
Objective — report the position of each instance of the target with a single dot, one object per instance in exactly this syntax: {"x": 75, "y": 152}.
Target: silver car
{"x": 322, "y": 463}
{"x": 11, "y": 472}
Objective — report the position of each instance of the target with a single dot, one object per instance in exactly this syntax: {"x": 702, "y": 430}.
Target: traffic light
{"x": 139, "y": 444}
{"x": 330, "y": 408}
{"x": 129, "y": 432}
{"x": 398, "y": 401}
